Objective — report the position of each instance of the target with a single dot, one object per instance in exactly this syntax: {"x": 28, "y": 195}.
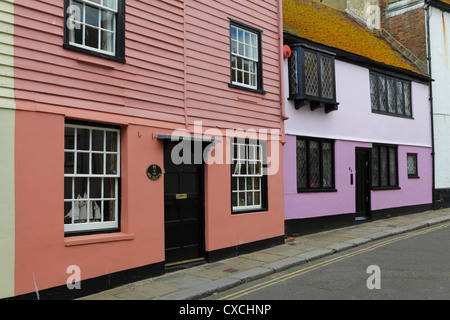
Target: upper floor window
{"x": 246, "y": 59}
{"x": 390, "y": 95}
{"x": 91, "y": 178}
{"x": 312, "y": 78}
{"x": 96, "y": 27}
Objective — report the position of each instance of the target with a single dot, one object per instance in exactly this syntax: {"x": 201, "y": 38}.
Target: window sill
{"x": 238, "y": 212}
{"x": 315, "y": 190}
{"x": 98, "y": 238}
{"x": 94, "y": 55}
{"x": 386, "y": 113}
{"x": 385, "y": 188}
{"x": 413, "y": 177}
{"x": 235, "y": 86}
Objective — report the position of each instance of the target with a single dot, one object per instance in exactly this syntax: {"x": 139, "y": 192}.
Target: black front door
{"x": 362, "y": 181}
{"x": 183, "y": 208}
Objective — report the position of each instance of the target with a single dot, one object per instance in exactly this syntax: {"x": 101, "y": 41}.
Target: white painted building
{"x": 438, "y": 24}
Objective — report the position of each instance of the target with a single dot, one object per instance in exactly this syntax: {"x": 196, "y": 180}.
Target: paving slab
{"x": 203, "y": 280}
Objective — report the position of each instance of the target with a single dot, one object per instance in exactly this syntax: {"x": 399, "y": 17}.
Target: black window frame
{"x": 308, "y": 187}
{"x": 297, "y": 78}
{"x": 389, "y": 185}
{"x": 416, "y": 164}
{"x": 120, "y": 35}
{"x": 260, "y": 82}
{"x": 377, "y": 108}
{"x": 264, "y": 179}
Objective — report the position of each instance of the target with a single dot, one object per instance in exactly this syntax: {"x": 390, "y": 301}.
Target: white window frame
{"x": 253, "y": 157}
{"x": 250, "y": 47}
{"x": 82, "y": 24}
{"x": 71, "y": 158}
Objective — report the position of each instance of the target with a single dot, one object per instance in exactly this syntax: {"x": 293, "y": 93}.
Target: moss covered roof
{"x": 322, "y": 24}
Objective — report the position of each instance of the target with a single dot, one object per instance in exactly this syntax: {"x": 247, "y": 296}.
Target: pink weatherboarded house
{"x": 148, "y": 135}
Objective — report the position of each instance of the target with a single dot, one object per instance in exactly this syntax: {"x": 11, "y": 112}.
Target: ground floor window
{"x": 248, "y": 182}
{"x": 384, "y": 167}
{"x": 315, "y": 164}
{"x": 91, "y": 177}
{"x": 412, "y": 166}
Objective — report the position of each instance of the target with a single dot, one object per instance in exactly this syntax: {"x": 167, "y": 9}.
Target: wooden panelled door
{"x": 183, "y": 208}
{"x": 362, "y": 183}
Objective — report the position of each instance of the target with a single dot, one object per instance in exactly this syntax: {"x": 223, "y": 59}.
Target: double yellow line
{"x": 328, "y": 262}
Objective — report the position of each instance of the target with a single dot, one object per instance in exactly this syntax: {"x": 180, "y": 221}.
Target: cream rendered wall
{"x": 440, "y": 63}
{"x": 7, "y": 119}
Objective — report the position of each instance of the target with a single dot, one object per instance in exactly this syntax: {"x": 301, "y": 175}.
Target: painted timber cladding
{"x": 149, "y": 85}
{"x": 176, "y": 70}
{"x": 208, "y": 64}
{"x": 7, "y": 119}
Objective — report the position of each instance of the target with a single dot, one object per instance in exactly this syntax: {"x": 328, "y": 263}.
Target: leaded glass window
{"x": 384, "y": 166}
{"x": 327, "y": 77}
{"x": 312, "y": 76}
{"x": 302, "y": 164}
{"x": 315, "y": 164}
{"x": 382, "y": 94}
{"x": 375, "y": 167}
{"x": 390, "y": 95}
{"x": 373, "y": 91}
{"x": 293, "y": 73}
{"x": 412, "y": 165}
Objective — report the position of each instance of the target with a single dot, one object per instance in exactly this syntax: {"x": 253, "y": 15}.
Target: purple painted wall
{"x": 413, "y": 191}
{"x": 318, "y": 204}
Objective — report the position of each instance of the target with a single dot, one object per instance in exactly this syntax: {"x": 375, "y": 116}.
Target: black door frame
{"x": 201, "y": 197}
{"x": 365, "y": 214}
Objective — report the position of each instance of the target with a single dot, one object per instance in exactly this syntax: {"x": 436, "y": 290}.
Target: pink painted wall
{"x": 44, "y": 253}
{"x": 41, "y": 248}
{"x": 177, "y": 64}
{"x": 224, "y": 229}
{"x": 176, "y": 73}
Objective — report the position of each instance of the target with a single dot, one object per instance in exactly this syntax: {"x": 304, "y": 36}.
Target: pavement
{"x": 206, "y": 279}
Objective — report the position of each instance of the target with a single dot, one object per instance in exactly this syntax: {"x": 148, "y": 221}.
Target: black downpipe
{"x": 433, "y": 188}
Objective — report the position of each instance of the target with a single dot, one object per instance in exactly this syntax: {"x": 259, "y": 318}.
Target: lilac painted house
{"x": 358, "y": 134}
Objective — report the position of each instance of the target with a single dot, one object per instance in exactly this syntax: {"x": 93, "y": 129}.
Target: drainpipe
{"x": 280, "y": 52}
{"x": 427, "y": 11}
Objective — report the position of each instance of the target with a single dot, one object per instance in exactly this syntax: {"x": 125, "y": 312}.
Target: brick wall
{"x": 407, "y": 25}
